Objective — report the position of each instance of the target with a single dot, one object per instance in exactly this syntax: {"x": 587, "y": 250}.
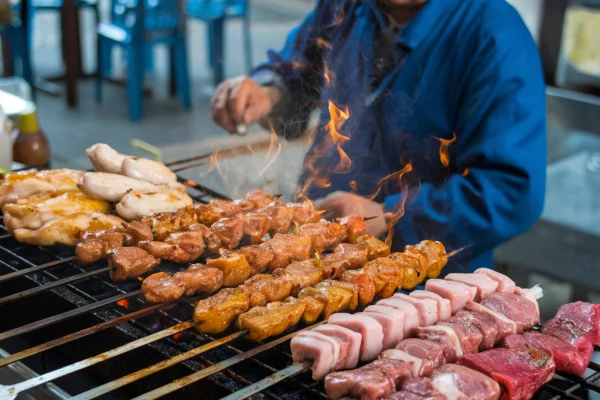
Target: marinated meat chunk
{"x": 376, "y": 247}
{"x": 304, "y": 273}
{"x": 212, "y": 241}
{"x": 305, "y": 213}
{"x": 258, "y": 198}
{"x": 96, "y": 245}
{"x": 356, "y": 226}
{"x": 520, "y": 372}
{"x": 485, "y": 324}
{"x": 516, "y": 308}
{"x": 414, "y": 262}
{"x": 199, "y": 278}
{"x": 259, "y": 257}
{"x": 287, "y": 248}
{"x": 364, "y": 283}
{"x": 216, "y": 313}
{"x": 235, "y": 268}
{"x": 435, "y": 254}
{"x": 161, "y": 288}
{"x": 272, "y": 319}
{"x": 264, "y": 288}
{"x": 280, "y": 217}
{"x": 180, "y": 247}
{"x": 355, "y": 255}
{"x": 323, "y": 234}
{"x": 130, "y": 262}
{"x": 326, "y": 298}
{"x": 256, "y": 225}
{"x": 230, "y": 231}
{"x": 387, "y": 275}
{"x": 164, "y": 223}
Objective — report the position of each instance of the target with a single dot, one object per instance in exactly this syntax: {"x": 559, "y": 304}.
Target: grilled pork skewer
{"x": 380, "y": 277}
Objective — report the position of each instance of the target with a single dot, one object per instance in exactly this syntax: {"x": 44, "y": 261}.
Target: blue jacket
{"x": 468, "y": 68}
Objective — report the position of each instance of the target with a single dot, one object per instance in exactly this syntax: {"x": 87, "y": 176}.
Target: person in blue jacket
{"x": 450, "y": 92}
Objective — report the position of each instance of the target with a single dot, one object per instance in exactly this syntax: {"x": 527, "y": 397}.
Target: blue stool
{"x": 19, "y": 37}
{"x": 215, "y": 13}
{"x": 149, "y": 23}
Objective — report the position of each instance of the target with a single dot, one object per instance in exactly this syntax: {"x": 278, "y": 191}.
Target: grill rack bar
{"x": 34, "y": 268}
{"x": 266, "y": 383}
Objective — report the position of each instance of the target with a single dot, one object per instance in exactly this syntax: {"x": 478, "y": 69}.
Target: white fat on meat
{"x": 411, "y": 315}
{"x": 427, "y": 308}
{"x": 459, "y": 294}
{"x": 451, "y": 338}
{"x": 484, "y": 284}
{"x": 505, "y": 284}
{"x": 397, "y": 333}
{"x": 316, "y": 349}
{"x": 456, "y": 382}
{"x": 370, "y": 330}
{"x": 416, "y": 364}
{"x": 389, "y": 327}
{"x": 352, "y": 338}
{"x": 505, "y": 326}
{"x": 444, "y": 306}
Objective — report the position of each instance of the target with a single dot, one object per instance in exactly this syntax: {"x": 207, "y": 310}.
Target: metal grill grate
{"x": 153, "y": 341}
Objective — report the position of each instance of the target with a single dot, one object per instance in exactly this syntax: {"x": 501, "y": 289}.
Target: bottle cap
{"x": 28, "y": 122}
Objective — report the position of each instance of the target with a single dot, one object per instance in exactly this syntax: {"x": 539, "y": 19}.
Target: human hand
{"x": 340, "y": 204}
{"x": 240, "y": 101}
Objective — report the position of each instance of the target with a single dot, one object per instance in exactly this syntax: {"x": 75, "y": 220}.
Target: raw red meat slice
{"x": 514, "y": 307}
{"x": 370, "y": 382}
{"x": 574, "y": 322}
{"x": 505, "y": 284}
{"x": 427, "y": 308}
{"x": 444, "y": 336}
{"x": 469, "y": 336}
{"x": 412, "y": 396}
{"x": 430, "y": 352}
{"x": 485, "y": 324}
{"x": 316, "y": 349}
{"x": 341, "y": 334}
{"x": 411, "y": 315}
{"x": 505, "y": 326}
{"x": 567, "y": 357}
{"x": 520, "y": 372}
{"x": 484, "y": 284}
{"x": 444, "y": 307}
{"x": 416, "y": 364}
{"x": 392, "y": 331}
{"x": 529, "y": 294}
{"x": 459, "y": 294}
{"x": 369, "y": 329}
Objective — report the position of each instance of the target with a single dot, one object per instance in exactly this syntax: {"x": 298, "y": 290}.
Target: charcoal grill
{"x": 96, "y": 338}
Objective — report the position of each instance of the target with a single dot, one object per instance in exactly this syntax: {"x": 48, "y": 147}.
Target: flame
{"x": 394, "y": 217}
{"x": 465, "y": 172}
{"x": 445, "y": 144}
{"x": 213, "y": 161}
{"x": 394, "y": 175}
{"x": 328, "y": 75}
{"x": 324, "y": 44}
{"x": 315, "y": 175}
{"x": 139, "y": 278}
{"x": 271, "y": 157}
{"x": 353, "y": 187}
{"x": 340, "y": 19}
{"x": 177, "y": 337}
{"x": 123, "y": 303}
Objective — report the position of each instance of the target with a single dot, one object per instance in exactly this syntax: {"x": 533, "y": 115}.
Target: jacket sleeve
{"x": 298, "y": 71}
{"x": 497, "y": 190}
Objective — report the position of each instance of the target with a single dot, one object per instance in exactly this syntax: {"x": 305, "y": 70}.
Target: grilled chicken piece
{"x": 235, "y": 267}
{"x": 212, "y": 241}
{"x": 305, "y": 273}
{"x": 135, "y": 205}
{"x": 305, "y": 213}
{"x": 265, "y": 288}
{"x": 258, "y": 198}
{"x": 434, "y": 253}
{"x": 148, "y": 170}
{"x": 287, "y": 248}
{"x": 326, "y": 298}
{"x": 356, "y": 255}
{"x": 165, "y": 223}
{"x": 357, "y": 227}
{"x": 280, "y": 217}
{"x": 363, "y": 282}
{"x": 324, "y": 234}
{"x": 199, "y": 278}
{"x": 414, "y": 266}
{"x": 97, "y": 245}
{"x": 215, "y": 314}
{"x": 105, "y": 159}
{"x": 272, "y": 319}
{"x": 67, "y": 230}
{"x": 21, "y": 185}
{"x": 162, "y": 288}
{"x": 137, "y": 232}
{"x": 230, "y": 231}
{"x": 130, "y": 262}
{"x": 32, "y": 213}
{"x": 227, "y": 208}
{"x": 259, "y": 257}
{"x": 376, "y": 247}
{"x": 112, "y": 187}
{"x": 256, "y": 225}
{"x": 180, "y": 247}
{"x": 387, "y": 275}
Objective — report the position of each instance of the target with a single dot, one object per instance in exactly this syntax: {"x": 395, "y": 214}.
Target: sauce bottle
{"x": 31, "y": 146}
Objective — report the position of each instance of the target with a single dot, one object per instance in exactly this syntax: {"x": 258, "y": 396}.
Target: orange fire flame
{"x": 324, "y": 44}
{"x": 123, "y": 303}
{"x": 271, "y": 156}
{"x": 445, "y": 144}
{"x": 465, "y": 172}
{"x": 393, "y": 176}
{"x": 394, "y": 217}
{"x": 177, "y": 337}
{"x": 139, "y": 278}
{"x": 353, "y": 187}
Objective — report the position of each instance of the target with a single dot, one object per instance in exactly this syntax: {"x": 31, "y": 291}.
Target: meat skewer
{"x": 381, "y": 276}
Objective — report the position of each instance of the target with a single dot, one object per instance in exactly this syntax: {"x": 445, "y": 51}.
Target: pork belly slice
{"x": 575, "y": 323}
{"x": 369, "y": 382}
{"x": 392, "y": 323}
{"x": 505, "y": 284}
{"x": 445, "y": 336}
{"x": 340, "y": 348}
{"x": 370, "y": 330}
{"x": 429, "y": 352}
{"x": 316, "y": 349}
{"x": 505, "y": 326}
{"x": 469, "y": 336}
{"x": 427, "y": 308}
{"x": 458, "y": 293}
{"x": 483, "y": 283}
{"x": 443, "y": 305}
{"x": 521, "y": 372}
{"x": 514, "y": 307}
{"x": 411, "y": 315}
{"x": 342, "y": 334}
{"x": 457, "y": 382}
{"x": 568, "y": 357}
{"x": 486, "y": 325}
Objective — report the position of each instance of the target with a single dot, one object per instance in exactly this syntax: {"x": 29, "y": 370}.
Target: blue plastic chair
{"x": 215, "y": 13}
{"x": 152, "y": 22}
{"x": 19, "y": 36}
